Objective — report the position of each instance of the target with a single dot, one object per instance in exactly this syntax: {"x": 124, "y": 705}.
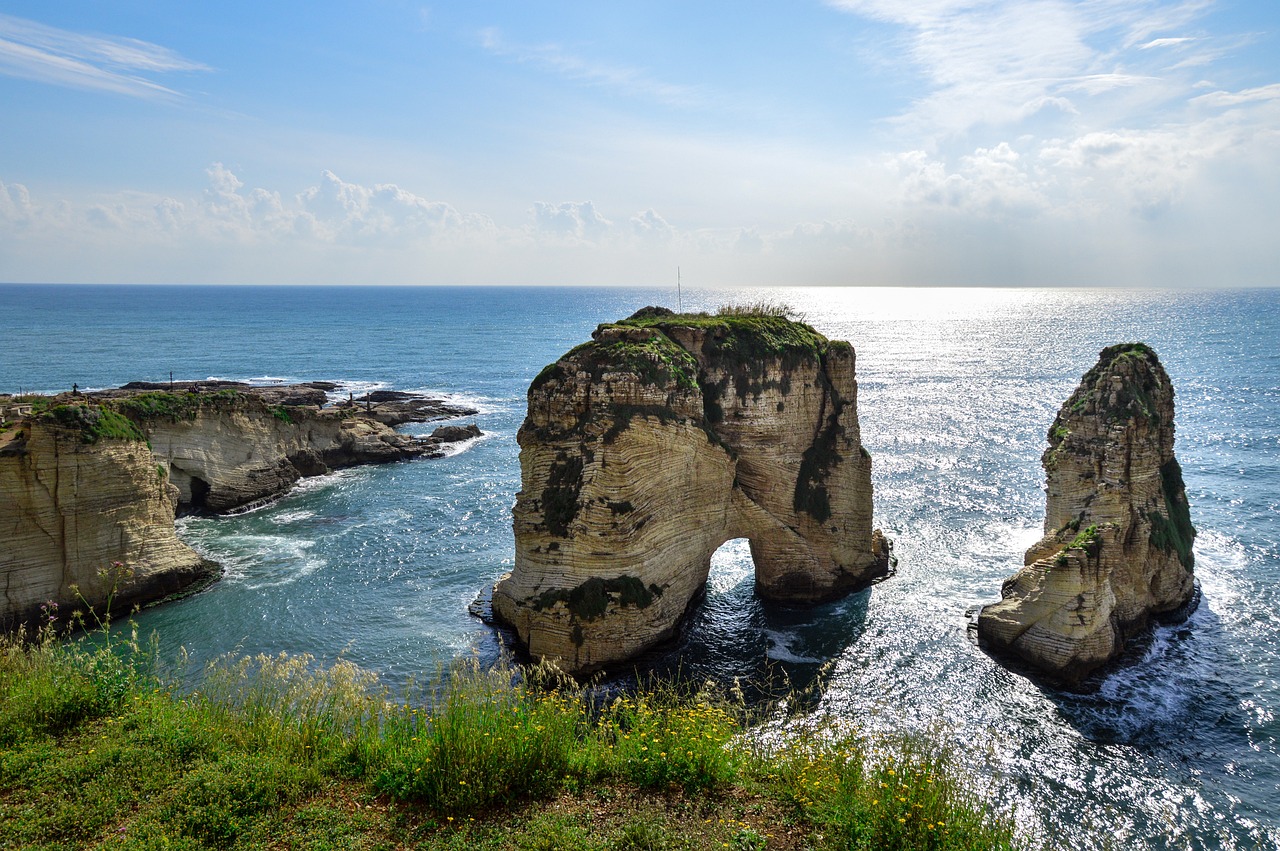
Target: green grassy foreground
{"x": 98, "y": 751}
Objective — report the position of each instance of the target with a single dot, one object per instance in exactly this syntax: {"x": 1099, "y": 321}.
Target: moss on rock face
{"x": 591, "y": 599}
{"x": 1172, "y": 531}
{"x": 1132, "y": 399}
{"x": 560, "y": 496}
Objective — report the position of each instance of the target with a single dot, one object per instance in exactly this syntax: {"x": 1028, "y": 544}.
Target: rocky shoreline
{"x": 90, "y": 483}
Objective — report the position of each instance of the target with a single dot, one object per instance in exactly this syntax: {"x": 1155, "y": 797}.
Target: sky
{"x": 805, "y": 142}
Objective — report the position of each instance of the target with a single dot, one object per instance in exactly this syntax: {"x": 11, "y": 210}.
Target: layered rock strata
{"x": 647, "y": 448}
{"x": 88, "y": 482}
{"x": 231, "y": 448}
{"x": 84, "y": 522}
{"x": 1117, "y": 549}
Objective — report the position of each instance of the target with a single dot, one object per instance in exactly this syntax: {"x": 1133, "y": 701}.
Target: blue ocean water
{"x": 956, "y": 391}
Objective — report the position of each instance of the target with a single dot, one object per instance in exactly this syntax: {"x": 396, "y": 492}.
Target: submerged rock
{"x": 1117, "y": 549}
{"x": 647, "y": 448}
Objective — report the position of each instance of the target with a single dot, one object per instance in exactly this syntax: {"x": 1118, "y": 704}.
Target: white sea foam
{"x": 482, "y": 404}
{"x": 780, "y": 649}
{"x": 292, "y": 516}
{"x": 258, "y": 380}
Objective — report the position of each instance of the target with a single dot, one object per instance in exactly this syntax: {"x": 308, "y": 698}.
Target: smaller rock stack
{"x": 1118, "y": 534}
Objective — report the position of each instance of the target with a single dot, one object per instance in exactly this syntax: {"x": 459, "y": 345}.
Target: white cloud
{"x": 34, "y": 51}
{"x": 1166, "y": 42}
{"x": 651, "y": 228}
{"x": 633, "y": 82}
{"x": 1258, "y": 95}
{"x": 997, "y": 63}
{"x": 15, "y": 202}
{"x": 574, "y": 221}
{"x": 989, "y": 183}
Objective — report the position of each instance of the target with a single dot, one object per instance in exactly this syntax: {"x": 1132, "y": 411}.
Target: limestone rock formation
{"x": 227, "y": 446}
{"x": 87, "y": 482}
{"x": 647, "y": 448}
{"x": 82, "y": 519}
{"x": 1117, "y": 549}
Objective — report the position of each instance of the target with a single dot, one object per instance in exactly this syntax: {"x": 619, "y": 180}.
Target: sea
{"x": 1175, "y": 748}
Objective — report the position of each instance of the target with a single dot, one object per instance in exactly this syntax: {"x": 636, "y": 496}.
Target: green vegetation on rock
{"x": 560, "y": 496}
{"x": 1172, "y": 531}
{"x": 159, "y": 404}
{"x": 591, "y": 599}
{"x": 1133, "y": 399}
{"x": 94, "y": 422}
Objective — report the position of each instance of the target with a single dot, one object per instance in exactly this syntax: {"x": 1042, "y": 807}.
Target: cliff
{"x": 647, "y": 448}
{"x": 88, "y": 482}
{"x": 1117, "y": 549}
{"x": 226, "y": 448}
{"x": 73, "y": 503}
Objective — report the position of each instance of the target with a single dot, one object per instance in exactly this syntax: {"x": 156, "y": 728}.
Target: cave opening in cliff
{"x": 199, "y": 493}
{"x": 731, "y": 564}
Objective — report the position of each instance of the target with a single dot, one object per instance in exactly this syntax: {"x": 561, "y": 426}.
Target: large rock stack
{"x": 1118, "y": 534}
{"x": 646, "y": 449}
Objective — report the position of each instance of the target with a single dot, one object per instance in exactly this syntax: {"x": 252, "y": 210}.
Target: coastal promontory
{"x": 1117, "y": 548}
{"x": 90, "y": 483}
{"x": 663, "y": 437}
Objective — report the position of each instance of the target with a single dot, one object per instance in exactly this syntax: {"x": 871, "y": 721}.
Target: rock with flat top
{"x": 647, "y": 448}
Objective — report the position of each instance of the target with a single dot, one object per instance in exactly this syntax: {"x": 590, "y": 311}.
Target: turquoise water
{"x": 957, "y": 389}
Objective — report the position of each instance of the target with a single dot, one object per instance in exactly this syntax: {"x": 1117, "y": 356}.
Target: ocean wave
{"x": 780, "y": 649}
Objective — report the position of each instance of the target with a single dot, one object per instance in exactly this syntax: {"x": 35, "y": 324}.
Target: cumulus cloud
{"x": 15, "y": 202}
{"x": 574, "y": 221}
{"x": 651, "y": 228}
{"x": 990, "y": 182}
{"x": 34, "y": 51}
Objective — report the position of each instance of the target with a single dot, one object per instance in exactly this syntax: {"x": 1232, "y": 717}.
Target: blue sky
{"x": 879, "y": 142}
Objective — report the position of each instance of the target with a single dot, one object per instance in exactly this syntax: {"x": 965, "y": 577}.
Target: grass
{"x": 94, "y": 423}
{"x": 98, "y": 748}
{"x": 158, "y": 404}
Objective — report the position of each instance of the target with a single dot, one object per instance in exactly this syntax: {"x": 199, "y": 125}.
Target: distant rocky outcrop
{"x": 229, "y": 447}
{"x": 88, "y": 482}
{"x": 647, "y": 448}
{"x": 1117, "y": 549}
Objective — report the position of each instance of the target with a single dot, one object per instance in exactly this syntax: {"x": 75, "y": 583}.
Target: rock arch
{"x": 648, "y": 448}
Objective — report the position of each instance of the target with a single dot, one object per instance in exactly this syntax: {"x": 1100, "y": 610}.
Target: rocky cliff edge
{"x": 89, "y": 485}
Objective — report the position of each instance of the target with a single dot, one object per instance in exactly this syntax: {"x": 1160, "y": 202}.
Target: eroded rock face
{"x": 91, "y": 482}
{"x": 646, "y": 449}
{"x": 233, "y": 447}
{"x": 82, "y": 520}
{"x": 1117, "y": 549}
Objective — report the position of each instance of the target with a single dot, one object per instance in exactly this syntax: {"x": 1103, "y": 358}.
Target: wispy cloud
{"x": 1165, "y": 42}
{"x": 1262, "y": 93}
{"x": 999, "y": 62}
{"x": 34, "y": 51}
{"x": 634, "y": 82}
